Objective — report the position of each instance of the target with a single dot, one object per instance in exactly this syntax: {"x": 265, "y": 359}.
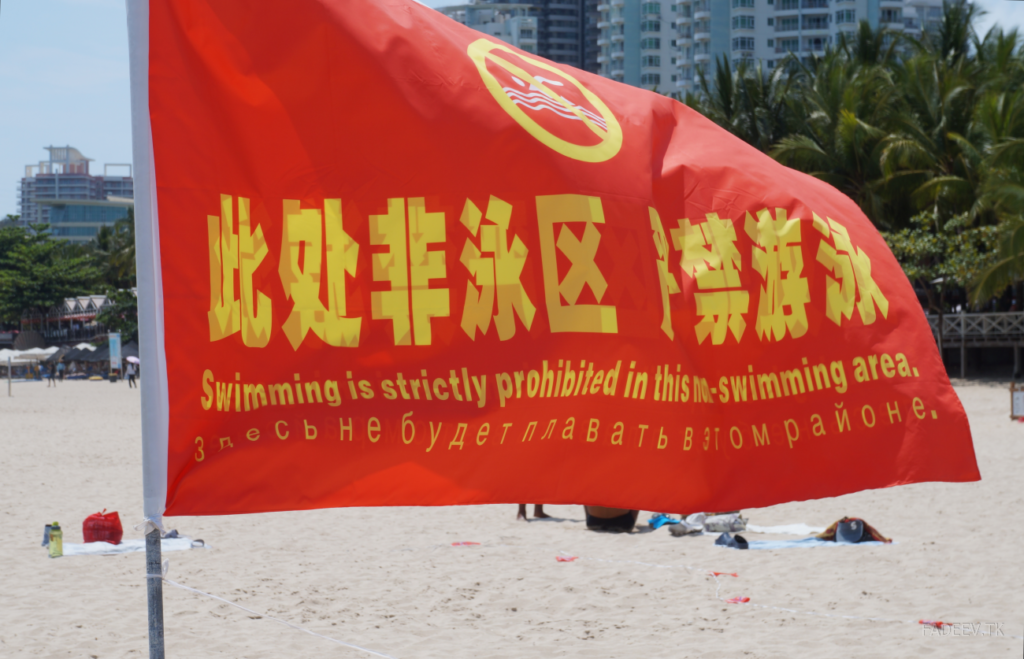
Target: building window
{"x": 742, "y": 3}
{"x": 816, "y": 22}
{"x": 771, "y": 64}
{"x": 771, "y": 22}
{"x": 846, "y": 16}
{"x": 650, "y": 60}
{"x": 892, "y": 16}
{"x": 650, "y": 79}
{"x": 743, "y": 43}
{"x": 788, "y": 45}
{"x": 789, "y": 4}
{"x": 788, "y": 23}
{"x": 743, "y": 22}
{"x": 674, "y": 78}
{"x": 650, "y": 43}
{"x": 650, "y": 26}
{"x": 651, "y": 8}
{"x": 526, "y": 34}
{"x": 771, "y": 43}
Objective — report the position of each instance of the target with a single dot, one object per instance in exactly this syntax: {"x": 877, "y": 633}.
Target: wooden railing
{"x": 979, "y": 328}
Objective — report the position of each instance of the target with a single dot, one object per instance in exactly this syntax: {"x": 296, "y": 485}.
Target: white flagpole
{"x": 151, "y": 321}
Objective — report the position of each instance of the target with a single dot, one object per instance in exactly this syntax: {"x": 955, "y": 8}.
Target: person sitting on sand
{"x": 538, "y": 511}
{"x": 600, "y": 518}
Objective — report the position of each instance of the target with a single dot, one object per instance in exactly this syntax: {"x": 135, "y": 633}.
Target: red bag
{"x": 103, "y": 527}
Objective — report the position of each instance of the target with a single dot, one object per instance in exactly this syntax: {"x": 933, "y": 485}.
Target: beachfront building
{"x": 770, "y": 30}
{"x": 73, "y": 320}
{"x": 550, "y": 28}
{"x": 638, "y": 43}
{"x": 79, "y": 221}
{"x": 65, "y": 179}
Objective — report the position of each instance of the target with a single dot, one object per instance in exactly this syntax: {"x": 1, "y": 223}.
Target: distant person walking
{"x": 60, "y": 370}
{"x": 51, "y": 376}
{"x": 130, "y": 372}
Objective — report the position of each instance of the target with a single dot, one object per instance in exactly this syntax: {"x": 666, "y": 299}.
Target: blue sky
{"x": 64, "y": 80}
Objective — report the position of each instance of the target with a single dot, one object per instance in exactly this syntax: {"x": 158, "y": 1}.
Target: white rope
{"x": 263, "y": 615}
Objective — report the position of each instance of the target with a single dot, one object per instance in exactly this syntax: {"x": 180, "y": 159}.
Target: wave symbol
{"x": 535, "y": 99}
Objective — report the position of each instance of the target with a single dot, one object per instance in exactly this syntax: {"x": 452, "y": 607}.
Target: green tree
{"x": 843, "y": 109}
{"x": 114, "y": 252}
{"x": 122, "y": 315}
{"x": 37, "y": 273}
{"x": 938, "y": 256}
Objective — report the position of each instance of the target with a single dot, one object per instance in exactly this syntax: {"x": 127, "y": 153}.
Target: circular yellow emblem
{"x": 603, "y": 124}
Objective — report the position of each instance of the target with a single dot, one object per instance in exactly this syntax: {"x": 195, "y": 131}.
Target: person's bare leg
{"x": 522, "y": 512}
{"x": 538, "y": 511}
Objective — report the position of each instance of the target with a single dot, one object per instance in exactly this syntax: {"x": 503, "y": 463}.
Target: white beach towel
{"x": 786, "y": 529}
{"x": 128, "y": 547}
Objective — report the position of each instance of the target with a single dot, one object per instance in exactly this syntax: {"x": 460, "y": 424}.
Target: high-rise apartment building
{"x": 771, "y": 30}
{"x": 65, "y": 177}
{"x": 638, "y": 43}
{"x": 554, "y": 29}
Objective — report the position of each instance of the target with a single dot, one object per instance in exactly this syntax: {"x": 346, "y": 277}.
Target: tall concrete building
{"x": 51, "y": 189}
{"x": 554, "y": 29}
{"x": 638, "y": 43}
{"x": 770, "y": 30}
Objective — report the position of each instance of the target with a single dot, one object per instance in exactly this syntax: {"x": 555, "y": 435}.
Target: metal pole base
{"x": 155, "y": 591}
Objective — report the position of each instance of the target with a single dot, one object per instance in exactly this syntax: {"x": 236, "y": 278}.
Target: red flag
{"x": 391, "y": 261}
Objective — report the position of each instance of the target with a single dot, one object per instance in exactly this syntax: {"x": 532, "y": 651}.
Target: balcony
{"x": 616, "y": 38}
{"x": 618, "y": 20}
{"x": 603, "y": 59}
{"x": 618, "y": 73}
{"x": 603, "y": 42}
{"x": 703, "y": 14}
{"x": 618, "y": 55}
{"x": 684, "y": 41}
{"x": 683, "y": 20}
{"x": 702, "y": 36}
{"x": 816, "y": 24}
{"x": 604, "y": 7}
{"x": 603, "y": 24}
{"x": 702, "y": 57}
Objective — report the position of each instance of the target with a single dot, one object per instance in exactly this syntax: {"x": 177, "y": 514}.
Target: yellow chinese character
{"x": 409, "y": 267}
{"x": 665, "y": 278}
{"x": 242, "y": 252}
{"x": 853, "y": 284}
{"x": 583, "y": 271}
{"x": 305, "y": 236}
{"x": 709, "y": 256}
{"x": 777, "y": 253}
{"x": 496, "y": 275}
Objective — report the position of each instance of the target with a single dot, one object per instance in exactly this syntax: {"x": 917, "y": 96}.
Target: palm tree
{"x": 114, "y": 251}
{"x": 936, "y": 151}
{"x": 748, "y": 101}
{"x": 843, "y": 109}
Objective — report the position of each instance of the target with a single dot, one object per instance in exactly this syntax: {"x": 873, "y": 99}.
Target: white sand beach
{"x": 390, "y": 579}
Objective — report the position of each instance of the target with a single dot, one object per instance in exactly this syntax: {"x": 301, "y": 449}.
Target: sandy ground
{"x": 390, "y": 579}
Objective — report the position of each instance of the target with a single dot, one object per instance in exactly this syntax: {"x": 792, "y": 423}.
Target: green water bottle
{"x": 56, "y": 541}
